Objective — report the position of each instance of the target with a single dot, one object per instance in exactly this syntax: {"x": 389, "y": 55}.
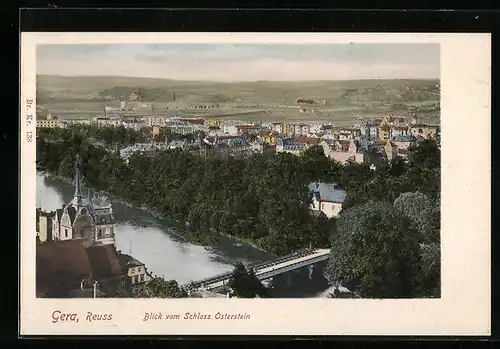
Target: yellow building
{"x": 391, "y": 150}
{"x": 155, "y": 130}
{"x": 384, "y": 122}
{"x": 45, "y": 226}
{"x": 47, "y": 122}
{"x": 212, "y": 122}
{"x": 384, "y": 132}
{"x": 288, "y": 130}
{"x": 269, "y": 137}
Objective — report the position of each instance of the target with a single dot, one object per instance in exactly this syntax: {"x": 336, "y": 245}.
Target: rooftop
{"x": 327, "y": 192}
{"x": 104, "y": 261}
{"x": 127, "y": 261}
{"x": 61, "y": 262}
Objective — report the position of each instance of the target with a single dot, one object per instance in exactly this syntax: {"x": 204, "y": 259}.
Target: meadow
{"x": 344, "y": 101}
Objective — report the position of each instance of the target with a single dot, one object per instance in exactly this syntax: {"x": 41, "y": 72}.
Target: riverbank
{"x": 208, "y": 238}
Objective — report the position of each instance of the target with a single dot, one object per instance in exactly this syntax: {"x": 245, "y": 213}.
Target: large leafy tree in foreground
{"x": 375, "y": 252}
{"x": 423, "y": 213}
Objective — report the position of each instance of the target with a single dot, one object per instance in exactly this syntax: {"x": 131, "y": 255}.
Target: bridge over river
{"x": 267, "y": 270}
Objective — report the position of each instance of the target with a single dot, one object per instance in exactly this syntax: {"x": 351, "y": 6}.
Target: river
{"x": 153, "y": 241}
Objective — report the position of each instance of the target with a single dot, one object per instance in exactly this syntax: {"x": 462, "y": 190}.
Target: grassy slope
{"x": 264, "y": 89}
{"x": 262, "y": 92}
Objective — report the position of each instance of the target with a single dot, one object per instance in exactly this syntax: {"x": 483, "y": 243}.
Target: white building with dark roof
{"x": 82, "y": 219}
{"x": 326, "y": 199}
{"x": 134, "y": 269}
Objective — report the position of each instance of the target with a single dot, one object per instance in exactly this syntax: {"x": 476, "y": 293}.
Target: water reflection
{"x": 154, "y": 241}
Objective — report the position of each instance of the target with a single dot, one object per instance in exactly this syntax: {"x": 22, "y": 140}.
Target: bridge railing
{"x": 255, "y": 268}
{"x": 300, "y": 253}
{"x": 299, "y": 264}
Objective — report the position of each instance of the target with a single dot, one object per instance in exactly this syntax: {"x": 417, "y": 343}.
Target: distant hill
{"x": 57, "y": 88}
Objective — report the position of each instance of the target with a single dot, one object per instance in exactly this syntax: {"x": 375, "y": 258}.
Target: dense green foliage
{"x": 387, "y": 244}
{"x": 375, "y": 252}
{"x": 159, "y": 288}
{"x": 263, "y": 198}
{"x": 245, "y": 284}
{"x": 423, "y": 213}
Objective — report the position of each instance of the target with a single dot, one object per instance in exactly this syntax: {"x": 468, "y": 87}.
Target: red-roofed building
{"x": 104, "y": 262}
{"x": 399, "y": 130}
{"x": 306, "y": 101}
{"x": 310, "y": 141}
{"x": 61, "y": 266}
{"x": 66, "y": 269}
{"x": 241, "y": 129}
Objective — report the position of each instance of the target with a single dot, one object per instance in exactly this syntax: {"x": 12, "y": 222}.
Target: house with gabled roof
{"x": 326, "y": 199}
{"x": 134, "y": 270}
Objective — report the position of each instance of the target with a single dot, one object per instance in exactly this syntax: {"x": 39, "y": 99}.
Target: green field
{"x": 345, "y": 101}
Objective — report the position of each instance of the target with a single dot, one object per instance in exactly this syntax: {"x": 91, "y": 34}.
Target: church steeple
{"x": 77, "y": 198}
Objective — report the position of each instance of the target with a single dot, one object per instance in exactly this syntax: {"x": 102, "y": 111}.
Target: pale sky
{"x": 243, "y": 62}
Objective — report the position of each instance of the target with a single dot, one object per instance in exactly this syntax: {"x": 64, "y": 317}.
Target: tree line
{"x": 264, "y": 199}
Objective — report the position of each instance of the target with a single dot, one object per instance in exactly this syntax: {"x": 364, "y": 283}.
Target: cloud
{"x": 244, "y": 62}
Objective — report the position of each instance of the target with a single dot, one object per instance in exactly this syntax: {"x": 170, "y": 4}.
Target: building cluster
{"x": 48, "y": 121}
{"x": 76, "y": 254}
{"x": 374, "y": 142}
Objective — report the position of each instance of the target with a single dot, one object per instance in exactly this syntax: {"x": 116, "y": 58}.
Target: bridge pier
{"x": 311, "y": 269}
{"x": 289, "y": 279}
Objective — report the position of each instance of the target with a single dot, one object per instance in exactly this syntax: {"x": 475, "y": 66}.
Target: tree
{"x": 424, "y": 167}
{"x": 375, "y": 252}
{"x": 398, "y": 167}
{"x": 245, "y": 284}
{"x": 315, "y": 164}
{"x": 423, "y": 213}
{"x": 430, "y": 270}
{"x": 158, "y": 287}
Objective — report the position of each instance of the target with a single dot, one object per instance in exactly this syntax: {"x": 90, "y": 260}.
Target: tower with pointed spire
{"x": 83, "y": 219}
{"x": 77, "y": 197}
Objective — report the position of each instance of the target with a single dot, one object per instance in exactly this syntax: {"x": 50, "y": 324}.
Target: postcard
{"x": 265, "y": 184}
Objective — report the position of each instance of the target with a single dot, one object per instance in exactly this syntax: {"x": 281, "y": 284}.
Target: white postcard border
{"x": 464, "y": 308}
